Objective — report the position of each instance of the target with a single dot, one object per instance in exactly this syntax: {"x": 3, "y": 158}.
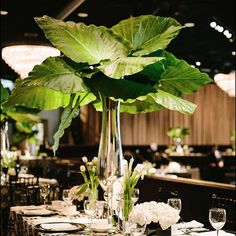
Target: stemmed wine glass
{"x": 217, "y": 218}
{"x": 90, "y": 210}
{"x": 66, "y": 197}
{"x": 44, "y": 190}
{"x": 175, "y": 203}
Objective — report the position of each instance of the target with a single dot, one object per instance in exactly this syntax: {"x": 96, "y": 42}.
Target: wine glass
{"x": 66, "y": 197}
{"x": 217, "y": 218}
{"x": 44, "y": 191}
{"x": 175, "y": 203}
{"x": 90, "y": 210}
{"x": 135, "y": 195}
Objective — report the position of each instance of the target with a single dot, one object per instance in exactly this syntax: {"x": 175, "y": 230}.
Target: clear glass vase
{"x": 110, "y": 154}
{"x": 4, "y": 137}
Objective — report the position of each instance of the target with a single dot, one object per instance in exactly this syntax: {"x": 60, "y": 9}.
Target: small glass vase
{"x": 93, "y": 195}
{"x": 127, "y": 205}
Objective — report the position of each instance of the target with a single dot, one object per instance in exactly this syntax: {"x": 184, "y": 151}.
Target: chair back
{"x": 229, "y": 205}
{"x": 24, "y": 191}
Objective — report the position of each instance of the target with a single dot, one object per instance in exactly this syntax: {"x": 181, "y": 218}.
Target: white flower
{"x": 139, "y": 168}
{"x": 95, "y": 160}
{"x": 148, "y": 212}
{"x": 82, "y": 168}
{"x": 85, "y": 159}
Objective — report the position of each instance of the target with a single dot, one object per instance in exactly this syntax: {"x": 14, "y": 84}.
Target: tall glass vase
{"x": 110, "y": 153}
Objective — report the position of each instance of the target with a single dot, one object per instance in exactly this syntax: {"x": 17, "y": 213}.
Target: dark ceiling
{"x": 200, "y": 43}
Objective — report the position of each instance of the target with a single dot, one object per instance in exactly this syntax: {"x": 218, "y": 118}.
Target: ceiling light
{"x": 82, "y": 14}
{"x": 189, "y": 24}
{"x": 220, "y": 29}
{"x": 213, "y": 24}
{"x": 226, "y": 82}
{"x": 4, "y": 13}
{"x": 229, "y": 35}
{"x": 23, "y": 58}
{"x": 233, "y": 53}
{"x": 198, "y": 63}
{"x": 226, "y": 32}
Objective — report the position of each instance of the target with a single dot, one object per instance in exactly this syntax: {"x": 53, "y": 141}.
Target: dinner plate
{"x": 59, "y": 227}
{"x": 38, "y": 212}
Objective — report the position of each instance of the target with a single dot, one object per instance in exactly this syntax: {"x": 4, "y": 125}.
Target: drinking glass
{"x": 44, "y": 191}
{"x": 175, "y": 203}
{"x": 217, "y": 218}
{"x": 90, "y": 210}
{"x": 135, "y": 195}
{"x": 66, "y": 197}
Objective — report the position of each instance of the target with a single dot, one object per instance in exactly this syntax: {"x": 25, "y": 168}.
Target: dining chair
{"x": 24, "y": 191}
{"x": 229, "y": 205}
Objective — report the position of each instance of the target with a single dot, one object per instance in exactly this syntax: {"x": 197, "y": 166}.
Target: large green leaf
{"x": 4, "y": 94}
{"x": 123, "y": 89}
{"x": 83, "y": 43}
{"x": 70, "y": 112}
{"x": 156, "y": 101}
{"x": 57, "y": 74}
{"x": 41, "y": 98}
{"x": 23, "y": 117}
{"x": 127, "y": 66}
{"x": 179, "y": 77}
{"x": 148, "y": 33}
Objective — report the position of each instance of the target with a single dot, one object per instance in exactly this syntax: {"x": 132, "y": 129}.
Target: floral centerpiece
{"x": 147, "y": 212}
{"x": 90, "y": 186}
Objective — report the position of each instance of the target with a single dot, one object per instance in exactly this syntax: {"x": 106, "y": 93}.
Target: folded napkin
{"x": 212, "y": 233}
{"x": 42, "y": 220}
{"x": 82, "y": 220}
{"x": 190, "y": 224}
{"x": 36, "y": 212}
{"x": 30, "y": 207}
{"x": 59, "y": 226}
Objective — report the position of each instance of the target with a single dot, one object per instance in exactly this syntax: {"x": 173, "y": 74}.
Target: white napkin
{"x": 82, "y": 220}
{"x": 36, "y": 212}
{"x": 190, "y": 224}
{"x": 212, "y": 233}
{"x": 59, "y": 226}
{"x": 42, "y": 220}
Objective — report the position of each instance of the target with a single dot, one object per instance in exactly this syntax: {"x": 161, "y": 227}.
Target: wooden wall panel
{"x": 211, "y": 123}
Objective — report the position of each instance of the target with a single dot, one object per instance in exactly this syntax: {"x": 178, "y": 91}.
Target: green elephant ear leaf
{"x": 82, "y": 43}
{"x": 118, "y": 89}
{"x": 178, "y": 78}
{"x": 156, "y": 101}
{"x": 70, "y": 112}
{"x": 148, "y": 33}
{"x": 57, "y": 74}
{"x": 4, "y": 94}
{"x": 127, "y": 66}
{"x": 41, "y": 98}
{"x": 24, "y": 117}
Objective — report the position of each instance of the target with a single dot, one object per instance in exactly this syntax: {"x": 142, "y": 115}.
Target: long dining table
{"x": 22, "y": 224}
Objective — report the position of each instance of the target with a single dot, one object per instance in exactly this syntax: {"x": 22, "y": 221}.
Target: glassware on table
{"x": 44, "y": 191}
{"x": 175, "y": 203}
{"x": 66, "y": 197}
{"x": 90, "y": 210}
{"x": 135, "y": 195}
{"x": 217, "y": 218}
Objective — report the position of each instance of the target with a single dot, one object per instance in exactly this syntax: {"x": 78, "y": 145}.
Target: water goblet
{"x": 175, "y": 203}
{"x": 44, "y": 191}
{"x": 66, "y": 197}
{"x": 217, "y": 218}
{"x": 90, "y": 210}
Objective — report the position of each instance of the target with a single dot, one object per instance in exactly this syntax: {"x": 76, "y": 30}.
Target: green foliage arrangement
{"x": 178, "y": 132}
{"x": 127, "y": 63}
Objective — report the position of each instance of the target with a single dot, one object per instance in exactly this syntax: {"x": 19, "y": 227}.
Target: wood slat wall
{"x": 211, "y": 123}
